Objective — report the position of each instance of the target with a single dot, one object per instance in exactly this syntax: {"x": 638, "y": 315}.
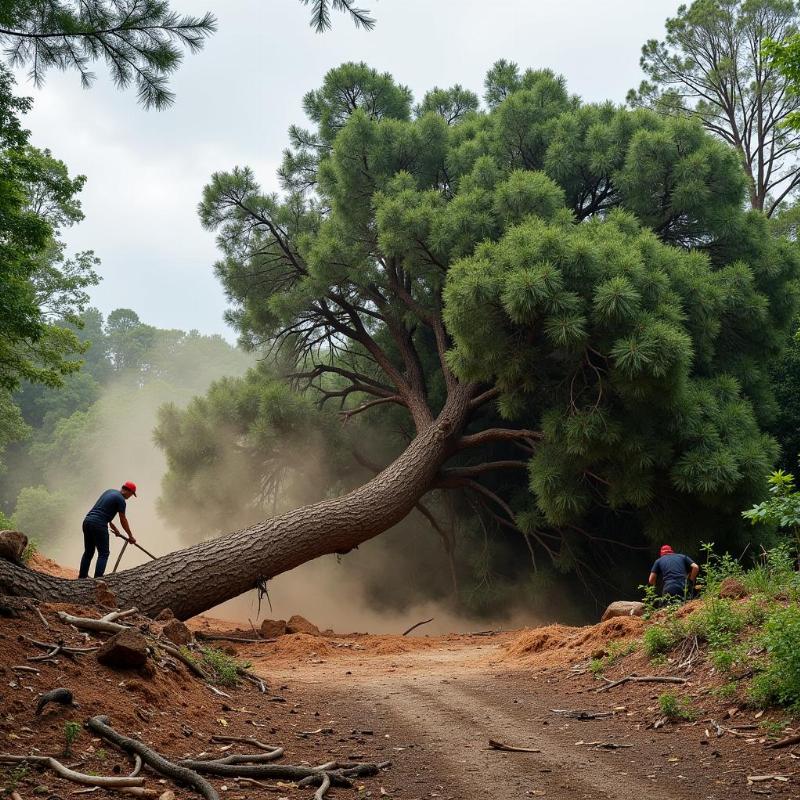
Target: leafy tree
{"x": 39, "y": 512}
{"x": 127, "y": 339}
{"x": 140, "y": 40}
{"x": 785, "y": 57}
{"x": 713, "y": 66}
{"x": 566, "y": 305}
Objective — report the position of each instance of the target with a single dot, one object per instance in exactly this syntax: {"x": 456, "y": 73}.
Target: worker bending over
{"x": 96, "y": 524}
{"x": 676, "y": 572}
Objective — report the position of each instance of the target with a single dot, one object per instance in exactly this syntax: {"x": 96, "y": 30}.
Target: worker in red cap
{"x": 96, "y": 525}
{"x": 676, "y": 571}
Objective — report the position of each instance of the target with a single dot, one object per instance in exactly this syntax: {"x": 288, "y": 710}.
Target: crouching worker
{"x": 676, "y": 572}
{"x": 96, "y": 523}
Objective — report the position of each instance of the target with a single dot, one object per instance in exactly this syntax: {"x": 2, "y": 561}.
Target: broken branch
{"x": 424, "y": 622}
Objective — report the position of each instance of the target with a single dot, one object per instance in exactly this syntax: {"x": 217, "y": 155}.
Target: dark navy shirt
{"x": 673, "y": 569}
{"x": 107, "y": 506}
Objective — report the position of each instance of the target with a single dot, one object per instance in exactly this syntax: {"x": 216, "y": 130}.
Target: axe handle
{"x": 119, "y": 557}
{"x": 146, "y": 552}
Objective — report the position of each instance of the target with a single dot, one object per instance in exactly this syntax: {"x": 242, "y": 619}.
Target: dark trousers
{"x": 95, "y": 537}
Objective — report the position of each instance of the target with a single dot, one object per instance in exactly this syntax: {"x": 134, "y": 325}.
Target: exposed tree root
{"x": 71, "y": 775}
{"x": 100, "y": 726}
{"x": 218, "y": 637}
{"x": 243, "y": 740}
{"x": 641, "y": 679}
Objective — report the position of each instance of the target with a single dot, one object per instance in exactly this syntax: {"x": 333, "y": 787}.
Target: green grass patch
{"x": 675, "y": 708}
{"x": 223, "y": 668}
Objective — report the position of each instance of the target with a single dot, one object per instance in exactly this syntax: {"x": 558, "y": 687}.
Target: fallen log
{"x": 100, "y": 725}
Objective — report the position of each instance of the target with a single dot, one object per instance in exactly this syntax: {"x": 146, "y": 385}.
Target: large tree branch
{"x": 498, "y": 435}
{"x": 475, "y": 470}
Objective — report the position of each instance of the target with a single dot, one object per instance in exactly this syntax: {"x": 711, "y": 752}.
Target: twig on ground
{"x": 23, "y": 668}
{"x": 787, "y": 742}
{"x": 577, "y": 714}
{"x": 113, "y": 616}
{"x": 508, "y": 748}
{"x": 34, "y": 608}
{"x": 71, "y": 775}
{"x": 100, "y": 725}
{"x": 641, "y": 679}
{"x": 218, "y": 637}
{"x": 603, "y": 745}
{"x": 416, "y": 625}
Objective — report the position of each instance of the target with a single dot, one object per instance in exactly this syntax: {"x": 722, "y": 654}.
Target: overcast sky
{"x": 236, "y": 99}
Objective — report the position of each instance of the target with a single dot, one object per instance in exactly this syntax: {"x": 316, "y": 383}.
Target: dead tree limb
{"x": 787, "y": 742}
{"x": 424, "y": 622}
{"x": 100, "y": 725}
{"x": 71, "y": 775}
{"x": 641, "y": 679}
{"x": 323, "y": 787}
{"x": 95, "y": 625}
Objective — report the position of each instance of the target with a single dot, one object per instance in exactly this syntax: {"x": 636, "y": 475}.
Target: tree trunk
{"x": 200, "y": 577}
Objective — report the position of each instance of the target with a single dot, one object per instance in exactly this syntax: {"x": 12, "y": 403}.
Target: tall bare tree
{"x": 711, "y": 65}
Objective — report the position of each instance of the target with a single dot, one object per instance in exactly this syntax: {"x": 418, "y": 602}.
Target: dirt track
{"x": 437, "y": 708}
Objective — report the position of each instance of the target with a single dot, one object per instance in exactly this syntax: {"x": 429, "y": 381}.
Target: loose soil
{"x": 428, "y": 704}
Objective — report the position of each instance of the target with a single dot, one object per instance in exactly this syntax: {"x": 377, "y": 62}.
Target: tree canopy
{"x": 585, "y": 275}
{"x": 713, "y": 66}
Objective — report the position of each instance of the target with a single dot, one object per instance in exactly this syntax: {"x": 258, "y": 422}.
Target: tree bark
{"x": 200, "y": 577}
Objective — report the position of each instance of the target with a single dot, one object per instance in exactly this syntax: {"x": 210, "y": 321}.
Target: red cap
{"x": 665, "y": 550}
{"x": 131, "y": 486}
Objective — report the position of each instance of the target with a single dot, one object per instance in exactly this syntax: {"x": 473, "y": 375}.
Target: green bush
{"x": 779, "y": 682}
{"x": 663, "y": 636}
{"x": 674, "y": 707}
{"x": 224, "y": 668}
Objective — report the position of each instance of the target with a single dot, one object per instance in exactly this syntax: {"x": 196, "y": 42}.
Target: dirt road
{"x": 433, "y": 712}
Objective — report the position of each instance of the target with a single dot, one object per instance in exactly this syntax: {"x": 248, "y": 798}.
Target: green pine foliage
{"x": 141, "y": 41}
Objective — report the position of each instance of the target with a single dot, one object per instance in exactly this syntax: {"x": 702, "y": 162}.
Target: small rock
{"x": 164, "y": 614}
{"x": 732, "y": 589}
{"x": 298, "y": 624}
{"x": 272, "y": 628}
{"x": 104, "y": 596}
{"x": 12, "y": 545}
{"x": 177, "y": 632}
{"x": 124, "y": 649}
{"x": 168, "y": 795}
{"x": 623, "y": 608}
